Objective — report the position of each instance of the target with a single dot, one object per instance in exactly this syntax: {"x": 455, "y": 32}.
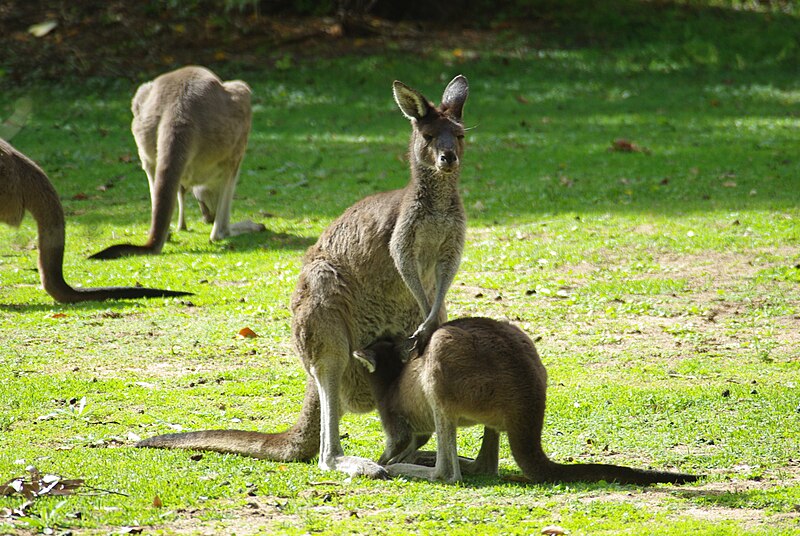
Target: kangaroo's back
{"x": 191, "y": 131}
{"x": 483, "y": 371}
{"x": 208, "y": 117}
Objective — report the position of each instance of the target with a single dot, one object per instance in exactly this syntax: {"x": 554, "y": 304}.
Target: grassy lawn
{"x": 659, "y": 275}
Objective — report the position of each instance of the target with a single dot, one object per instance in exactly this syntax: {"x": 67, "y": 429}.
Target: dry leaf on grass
{"x": 247, "y": 333}
{"x": 39, "y": 484}
{"x": 621, "y": 145}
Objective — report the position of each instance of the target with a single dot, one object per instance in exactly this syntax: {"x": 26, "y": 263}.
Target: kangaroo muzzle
{"x": 447, "y": 161}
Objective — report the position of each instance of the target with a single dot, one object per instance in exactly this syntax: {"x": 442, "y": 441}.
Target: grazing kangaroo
{"x": 475, "y": 371}
{"x": 191, "y": 131}
{"x": 372, "y": 272}
{"x": 24, "y": 186}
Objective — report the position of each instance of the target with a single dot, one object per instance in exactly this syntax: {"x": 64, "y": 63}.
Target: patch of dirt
{"x": 657, "y": 498}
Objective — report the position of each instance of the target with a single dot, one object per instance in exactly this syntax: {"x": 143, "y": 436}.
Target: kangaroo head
{"x": 437, "y": 139}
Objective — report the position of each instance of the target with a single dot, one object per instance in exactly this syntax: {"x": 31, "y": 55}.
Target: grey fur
{"x": 191, "y": 130}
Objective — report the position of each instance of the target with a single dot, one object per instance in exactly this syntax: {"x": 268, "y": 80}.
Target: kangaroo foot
{"x": 355, "y": 466}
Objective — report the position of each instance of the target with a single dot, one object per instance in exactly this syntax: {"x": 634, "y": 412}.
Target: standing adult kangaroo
{"x": 475, "y": 371}
{"x": 383, "y": 267}
{"x": 24, "y": 186}
{"x": 191, "y": 130}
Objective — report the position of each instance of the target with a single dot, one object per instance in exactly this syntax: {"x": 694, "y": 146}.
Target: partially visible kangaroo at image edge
{"x": 475, "y": 371}
{"x": 25, "y": 187}
{"x": 191, "y": 130}
{"x": 383, "y": 267}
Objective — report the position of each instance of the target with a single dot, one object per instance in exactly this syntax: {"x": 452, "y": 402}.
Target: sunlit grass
{"x": 661, "y": 288}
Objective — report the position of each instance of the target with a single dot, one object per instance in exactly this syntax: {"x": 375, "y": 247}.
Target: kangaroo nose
{"x": 448, "y": 158}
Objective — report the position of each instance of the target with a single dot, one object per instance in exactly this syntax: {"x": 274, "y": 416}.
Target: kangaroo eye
{"x": 460, "y": 136}
{"x": 427, "y": 137}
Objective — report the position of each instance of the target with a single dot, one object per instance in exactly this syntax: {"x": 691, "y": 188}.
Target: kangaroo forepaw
{"x": 416, "y": 344}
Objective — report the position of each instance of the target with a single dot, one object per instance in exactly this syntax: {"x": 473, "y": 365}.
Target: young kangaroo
{"x": 191, "y": 131}
{"x": 475, "y": 371}
{"x": 373, "y": 271}
{"x": 24, "y": 186}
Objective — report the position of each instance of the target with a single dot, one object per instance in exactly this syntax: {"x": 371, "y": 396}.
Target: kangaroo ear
{"x": 411, "y": 102}
{"x": 455, "y": 95}
{"x": 366, "y": 357}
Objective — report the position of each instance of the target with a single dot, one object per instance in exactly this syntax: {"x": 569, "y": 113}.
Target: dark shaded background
{"x": 137, "y": 40}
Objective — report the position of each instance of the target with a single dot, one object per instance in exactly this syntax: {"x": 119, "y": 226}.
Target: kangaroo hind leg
{"x": 327, "y": 367}
{"x": 222, "y": 227}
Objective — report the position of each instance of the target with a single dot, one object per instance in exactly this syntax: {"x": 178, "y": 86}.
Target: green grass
{"x": 662, "y": 289}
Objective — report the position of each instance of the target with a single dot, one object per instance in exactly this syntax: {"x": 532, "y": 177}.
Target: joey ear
{"x": 366, "y": 357}
{"x": 411, "y": 102}
{"x": 455, "y": 95}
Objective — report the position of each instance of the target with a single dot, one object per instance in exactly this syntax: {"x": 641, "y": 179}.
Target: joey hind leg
{"x": 488, "y": 456}
{"x": 447, "y": 467}
{"x": 485, "y": 463}
{"x": 402, "y": 448}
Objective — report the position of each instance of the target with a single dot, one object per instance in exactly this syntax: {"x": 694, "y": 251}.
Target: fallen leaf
{"x": 247, "y": 333}
{"x": 58, "y": 315}
{"x": 130, "y": 530}
{"x": 729, "y": 184}
{"x": 157, "y": 502}
{"x": 621, "y": 145}
{"x": 38, "y": 485}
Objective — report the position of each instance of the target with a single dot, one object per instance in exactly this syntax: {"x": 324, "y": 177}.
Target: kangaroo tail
{"x": 299, "y": 443}
{"x": 595, "y": 472}
{"x": 115, "y": 293}
{"x": 527, "y": 450}
{"x": 174, "y": 146}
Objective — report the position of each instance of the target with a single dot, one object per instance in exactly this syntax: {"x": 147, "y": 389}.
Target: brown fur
{"x": 191, "y": 130}
{"x": 475, "y": 371}
{"x": 384, "y": 266}
{"x": 24, "y": 186}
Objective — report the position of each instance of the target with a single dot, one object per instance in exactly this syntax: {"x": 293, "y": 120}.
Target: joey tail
{"x": 298, "y": 443}
{"x": 537, "y": 467}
